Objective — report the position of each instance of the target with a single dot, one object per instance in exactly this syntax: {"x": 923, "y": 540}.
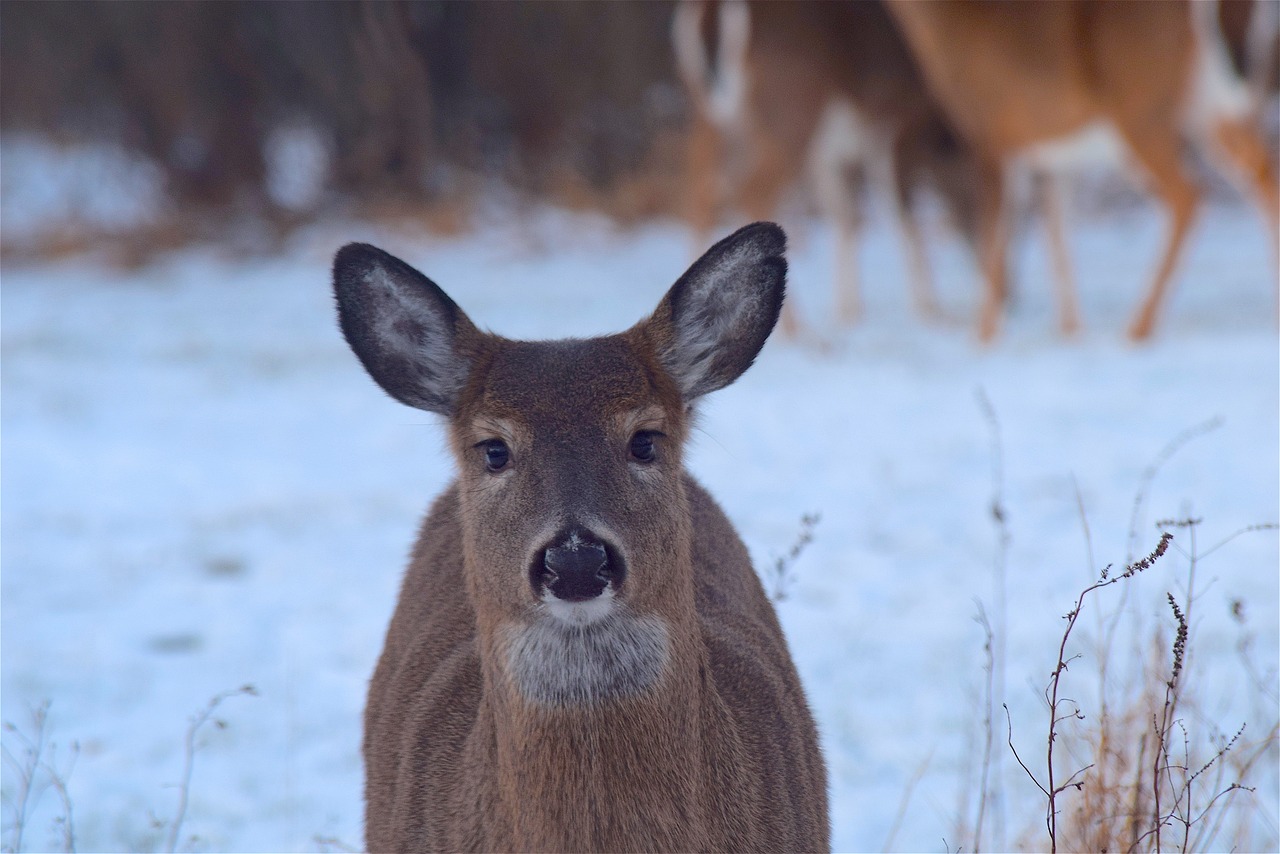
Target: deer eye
{"x": 496, "y": 455}
{"x": 642, "y": 449}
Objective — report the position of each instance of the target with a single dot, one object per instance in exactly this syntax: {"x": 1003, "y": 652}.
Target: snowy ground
{"x": 202, "y": 489}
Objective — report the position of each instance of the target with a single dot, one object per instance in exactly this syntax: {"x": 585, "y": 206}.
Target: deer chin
{"x": 580, "y": 613}
{"x": 559, "y": 662}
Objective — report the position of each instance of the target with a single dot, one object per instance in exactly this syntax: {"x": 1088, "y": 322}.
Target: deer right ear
{"x": 408, "y": 334}
{"x": 710, "y": 326}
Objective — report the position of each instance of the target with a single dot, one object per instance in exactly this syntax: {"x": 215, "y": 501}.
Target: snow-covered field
{"x": 202, "y": 489}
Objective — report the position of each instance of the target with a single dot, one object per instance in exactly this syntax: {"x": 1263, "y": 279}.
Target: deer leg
{"x": 1050, "y": 200}
{"x": 846, "y": 212}
{"x": 918, "y": 270}
{"x": 993, "y": 247}
{"x": 848, "y": 300}
{"x": 836, "y": 168}
{"x": 836, "y": 190}
{"x": 1239, "y": 141}
{"x": 1159, "y": 152}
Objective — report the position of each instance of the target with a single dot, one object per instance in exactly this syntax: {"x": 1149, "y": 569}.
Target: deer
{"x": 581, "y": 656}
{"x": 1016, "y": 78}
{"x": 824, "y": 93}
{"x": 1251, "y": 32}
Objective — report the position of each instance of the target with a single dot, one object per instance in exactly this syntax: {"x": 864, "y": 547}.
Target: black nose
{"x": 578, "y": 568}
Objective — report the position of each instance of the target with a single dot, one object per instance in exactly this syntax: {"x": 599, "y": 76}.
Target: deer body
{"x": 1014, "y": 76}
{"x": 581, "y": 656}
{"x": 827, "y": 93}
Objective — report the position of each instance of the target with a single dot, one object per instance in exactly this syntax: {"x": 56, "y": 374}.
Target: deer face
{"x": 576, "y": 531}
{"x": 569, "y": 466}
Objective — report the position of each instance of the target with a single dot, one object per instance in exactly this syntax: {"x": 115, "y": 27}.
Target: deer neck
{"x": 607, "y": 720}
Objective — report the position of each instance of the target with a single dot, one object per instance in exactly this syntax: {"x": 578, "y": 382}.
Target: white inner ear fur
{"x": 431, "y": 348}
{"x": 716, "y": 306}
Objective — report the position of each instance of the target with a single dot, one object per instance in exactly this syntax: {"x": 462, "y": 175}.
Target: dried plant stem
{"x": 1135, "y": 807}
{"x": 39, "y": 756}
{"x": 333, "y": 843}
{"x": 1247, "y": 529}
{"x": 1139, "y": 501}
{"x": 1053, "y": 788}
{"x": 997, "y": 635}
{"x": 905, "y": 800}
{"x": 1149, "y": 473}
{"x": 783, "y": 570}
{"x": 1210, "y": 832}
{"x": 1169, "y": 712}
{"x": 189, "y": 754}
{"x": 58, "y": 779}
{"x": 1175, "y": 777}
{"x": 1164, "y": 724}
{"x": 1014, "y": 750}
{"x": 26, "y": 769}
{"x": 988, "y": 726}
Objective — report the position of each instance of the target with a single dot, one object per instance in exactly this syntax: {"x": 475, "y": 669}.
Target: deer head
{"x": 576, "y": 530}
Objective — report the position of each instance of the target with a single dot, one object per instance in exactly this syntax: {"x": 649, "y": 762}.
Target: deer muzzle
{"x": 578, "y": 568}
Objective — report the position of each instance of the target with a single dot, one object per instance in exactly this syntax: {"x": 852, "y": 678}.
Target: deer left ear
{"x": 710, "y": 326}
{"x": 410, "y": 337}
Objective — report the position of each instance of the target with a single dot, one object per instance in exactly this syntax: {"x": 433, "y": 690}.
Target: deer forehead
{"x": 568, "y": 388}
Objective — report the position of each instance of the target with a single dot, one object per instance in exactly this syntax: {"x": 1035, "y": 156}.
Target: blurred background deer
{"x": 824, "y": 96}
{"x": 1016, "y": 77}
{"x": 436, "y": 114}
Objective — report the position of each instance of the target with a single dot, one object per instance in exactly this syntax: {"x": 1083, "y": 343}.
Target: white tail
{"x": 827, "y": 93}
{"x": 581, "y": 657}
{"x": 1014, "y": 76}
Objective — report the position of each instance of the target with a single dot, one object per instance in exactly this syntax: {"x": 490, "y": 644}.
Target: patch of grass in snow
{"x": 35, "y": 769}
{"x": 1143, "y": 764}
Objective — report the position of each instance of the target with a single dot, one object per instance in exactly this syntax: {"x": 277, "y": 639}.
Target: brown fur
{"x": 1012, "y": 75}
{"x": 800, "y": 59}
{"x": 721, "y": 752}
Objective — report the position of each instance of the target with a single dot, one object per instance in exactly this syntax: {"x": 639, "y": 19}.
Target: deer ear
{"x": 410, "y": 337}
{"x": 710, "y": 326}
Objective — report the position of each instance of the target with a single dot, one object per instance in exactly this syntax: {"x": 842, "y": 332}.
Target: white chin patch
{"x": 556, "y": 662}
{"x": 579, "y": 613}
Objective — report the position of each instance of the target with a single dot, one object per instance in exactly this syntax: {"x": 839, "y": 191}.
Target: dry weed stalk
{"x": 1139, "y": 784}
{"x": 39, "y": 759}
{"x": 1164, "y": 797}
{"x": 1152, "y": 469}
{"x": 782, "y": 573}
{"x": 333, "y": 843}
{"x": 988, "y": 725}
{"x": 994, "y": 648}
{"x": 905, "y": 801}
{"x": 1053, "y": 789}
{"x": 202, "y": 717}
{"x": 1177, "y": 777}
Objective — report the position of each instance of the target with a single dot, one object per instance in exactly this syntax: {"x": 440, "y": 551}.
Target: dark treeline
{"x": 417, "y": 102}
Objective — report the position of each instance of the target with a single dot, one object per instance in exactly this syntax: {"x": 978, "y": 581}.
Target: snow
{"x": 47, "y": 187}
{"x": 202, "y": 489}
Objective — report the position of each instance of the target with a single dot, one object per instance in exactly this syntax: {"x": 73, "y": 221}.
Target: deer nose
{"x": 577, "y": 569}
